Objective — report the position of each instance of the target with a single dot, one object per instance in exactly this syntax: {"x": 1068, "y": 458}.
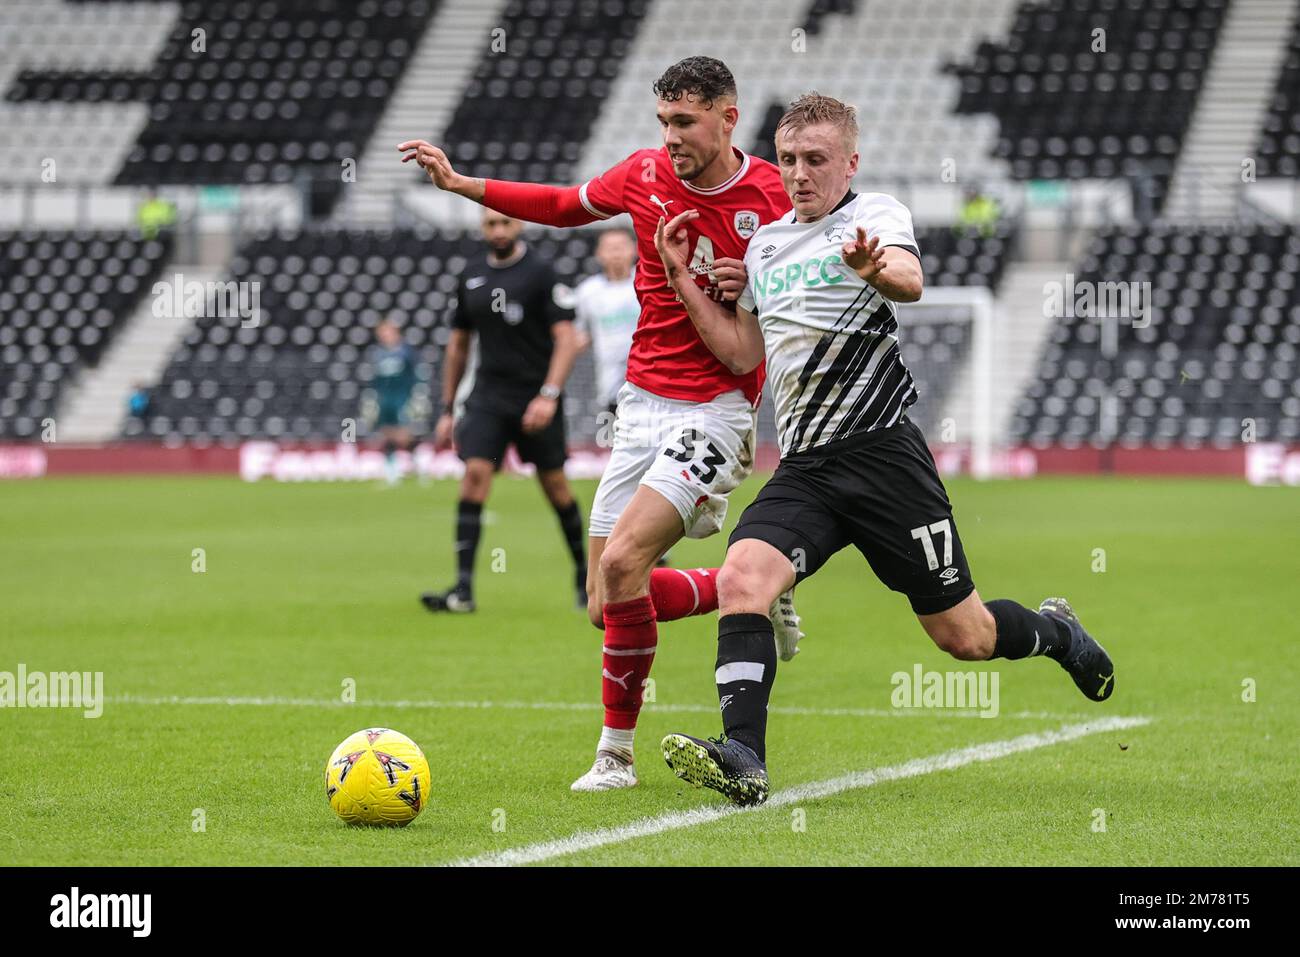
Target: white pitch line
{"x": 676, "y": 820}
{"x": 283, "y": 702}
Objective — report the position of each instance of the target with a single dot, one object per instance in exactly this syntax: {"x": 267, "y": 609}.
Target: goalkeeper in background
{"x": 391, "y": 395}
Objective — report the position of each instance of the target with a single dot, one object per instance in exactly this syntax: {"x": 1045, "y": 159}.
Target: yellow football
{"x": 377, "y": 777}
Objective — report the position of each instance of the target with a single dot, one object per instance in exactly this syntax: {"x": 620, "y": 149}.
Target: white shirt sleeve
{"x": 746, "y": 299}
{"x": 882, "y": 215}
{"x": 581, "y": 312}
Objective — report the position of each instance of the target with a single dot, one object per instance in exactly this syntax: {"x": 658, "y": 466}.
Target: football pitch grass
{"x": 223, "y": 686}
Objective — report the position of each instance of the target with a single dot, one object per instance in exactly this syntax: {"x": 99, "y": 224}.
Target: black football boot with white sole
{"x": 725, "y": 765}
{"x": 1086, "y": 661}
{"x": 458, "y": 599}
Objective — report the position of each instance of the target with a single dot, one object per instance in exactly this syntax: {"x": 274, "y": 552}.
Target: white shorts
{"x": 691, "y": 453}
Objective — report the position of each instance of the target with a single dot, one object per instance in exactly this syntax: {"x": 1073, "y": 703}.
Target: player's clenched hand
{"x": 673, "y": 243}
{"x": 863, "y": 256}
{"x": 443, "y": 432}
{"x": 434, "y": 162}
{"x": 539, "y": 414}
{"x": 731, "y": 277}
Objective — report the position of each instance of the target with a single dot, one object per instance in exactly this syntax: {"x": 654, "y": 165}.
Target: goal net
{"x": 947, "y": 342}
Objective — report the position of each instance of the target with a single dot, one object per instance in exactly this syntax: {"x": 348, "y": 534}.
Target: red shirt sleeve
{"x": 599, "y": 198}
{"x": 549, "y": 205}
{"x": 602, "y": 196}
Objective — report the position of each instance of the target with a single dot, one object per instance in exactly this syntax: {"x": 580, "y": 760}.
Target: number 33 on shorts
{"x": 688, "y": 447}
{"x": 691, "y": 453}
{"x": 700, "y": 464}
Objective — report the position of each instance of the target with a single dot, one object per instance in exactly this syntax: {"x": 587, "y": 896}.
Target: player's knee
{"x": 968, "y": 640}
{"x": 558, "y": 494}
{"x": 478, "y": 479}
{"x": 740, "y": 584}
{"x": 620, "y": 566}
{"x": 963, "y": 644}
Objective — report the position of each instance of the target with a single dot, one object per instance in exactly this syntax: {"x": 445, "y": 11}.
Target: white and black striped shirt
{"x": 833, "y": 361}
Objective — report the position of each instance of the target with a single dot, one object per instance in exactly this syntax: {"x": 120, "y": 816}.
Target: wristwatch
{"x": 549, "y": 392}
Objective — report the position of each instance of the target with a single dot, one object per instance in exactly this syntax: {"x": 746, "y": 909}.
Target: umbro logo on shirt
{"x": 767, "y": 251}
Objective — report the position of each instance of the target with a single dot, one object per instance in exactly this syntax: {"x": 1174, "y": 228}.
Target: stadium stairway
{"x": 95, "y": 410}
{"x": 1237, "y": 92}
{"x": 1020, "y": 333}
{"x": 421, "y": 106}
{"x": 751, "y": 36}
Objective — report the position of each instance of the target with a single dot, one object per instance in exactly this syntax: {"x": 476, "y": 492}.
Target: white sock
{"x": 618, "y": 741}
{"x": 390, "y": 468}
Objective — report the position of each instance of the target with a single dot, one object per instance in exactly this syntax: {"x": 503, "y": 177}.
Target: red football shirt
{"x": 668, "y": 356}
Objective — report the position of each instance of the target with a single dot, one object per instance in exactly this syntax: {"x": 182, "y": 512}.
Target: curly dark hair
{"x": 703, "y": 77}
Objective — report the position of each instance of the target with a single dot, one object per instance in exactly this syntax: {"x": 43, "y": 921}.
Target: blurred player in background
{"x": 394, "y": 374}
{"x": 607, "y": 311}
{"x": 684, "y": 436}
{"x": 527, "y": 346}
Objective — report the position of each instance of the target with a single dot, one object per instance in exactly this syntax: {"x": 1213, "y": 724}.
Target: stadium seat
{"x": 281, "y": 91}
{"x": 63, "y": 295}
{"x": 1067, "y": 112}
{"x": 530, "y": 107}
{"x": 298, "y": 373}
{"x": 1278, "y": 153}
{"x": 1214, "y": 361}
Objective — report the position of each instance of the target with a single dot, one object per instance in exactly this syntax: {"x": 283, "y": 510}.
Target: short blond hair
{"x": 813, "y": 108}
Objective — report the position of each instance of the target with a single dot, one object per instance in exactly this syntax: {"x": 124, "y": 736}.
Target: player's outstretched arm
{"x": 892, "y": 270}
{"x": 435, "y": 162}
{"x": 548, "y": 205}
{"x": 736, "y": 339}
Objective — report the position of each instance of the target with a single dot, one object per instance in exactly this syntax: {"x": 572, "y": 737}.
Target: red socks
{"x": 682, "y": 592}
{"x": 630, "y": 641}
{"x": 631, "y": 635}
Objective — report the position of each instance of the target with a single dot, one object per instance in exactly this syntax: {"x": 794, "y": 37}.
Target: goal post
{"x": 947, "y": 342}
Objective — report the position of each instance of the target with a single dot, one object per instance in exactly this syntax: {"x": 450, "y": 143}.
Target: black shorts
{"x": 488, "y": 428}
{"x": 880, "y": 492}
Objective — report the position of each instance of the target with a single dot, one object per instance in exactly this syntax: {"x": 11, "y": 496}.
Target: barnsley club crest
{"x": 746, "y": 223}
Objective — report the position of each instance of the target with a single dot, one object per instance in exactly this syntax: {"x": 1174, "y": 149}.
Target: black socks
{"x": 1023, "y": 633}
{"x": 469, "y": 526}
{"x": 746, "y": 670}
{"x": 469, "y": 523}
{"x": 571, "y": 524}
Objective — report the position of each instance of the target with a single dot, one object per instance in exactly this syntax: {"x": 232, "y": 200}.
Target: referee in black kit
{"x": 527, "y": 346}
